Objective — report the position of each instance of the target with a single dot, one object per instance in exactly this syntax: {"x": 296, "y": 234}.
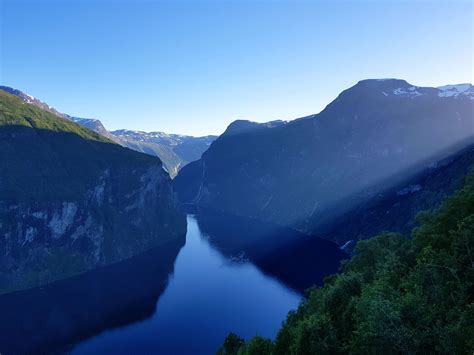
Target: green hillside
{"x": 72, "y": 200}
{"x": 48, "y": 158}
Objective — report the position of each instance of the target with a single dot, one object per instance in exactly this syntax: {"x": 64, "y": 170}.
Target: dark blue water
{"x": 207, "y": 297}
{"x": 229, "y": 275}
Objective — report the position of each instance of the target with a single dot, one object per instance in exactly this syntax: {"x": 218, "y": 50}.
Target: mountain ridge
{"x": 292, "y": 173}
{"x": 175, "y": 152}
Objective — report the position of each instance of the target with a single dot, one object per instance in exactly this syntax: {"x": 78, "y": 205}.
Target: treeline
{"x": 395, "y": 295}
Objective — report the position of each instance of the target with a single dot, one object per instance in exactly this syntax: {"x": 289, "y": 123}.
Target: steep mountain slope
{"x": 396, "y": 209}
{"x": 310, "y": 171}
{"x": 32, "y": 100}
{"x": 72, "y": 200}
{"x": 174, "y": 150}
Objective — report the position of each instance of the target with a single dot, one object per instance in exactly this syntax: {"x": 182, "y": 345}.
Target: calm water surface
{"x": 180, "y": 298}
{"x": 207, "y": 296}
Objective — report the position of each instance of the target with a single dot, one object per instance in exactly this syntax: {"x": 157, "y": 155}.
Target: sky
{"x": 192, "y": 67}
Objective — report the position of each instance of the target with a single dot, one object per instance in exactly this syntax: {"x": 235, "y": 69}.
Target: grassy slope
{"x": 49, "y": 158}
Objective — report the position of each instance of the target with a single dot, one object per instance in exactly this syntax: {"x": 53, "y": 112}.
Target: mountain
{"x": 94, "y": 125}
{"x": 174, "y": 150}
{"x": 177, "y": 150}
{"x": 309, "y": 172}
{"x": 72, "y": 200}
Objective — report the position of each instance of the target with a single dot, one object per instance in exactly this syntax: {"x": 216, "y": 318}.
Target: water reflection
{"x": 175, "y": 299}
{"x": 297, "y": 260}
{"x": 48, "y": 318}
{"x": 207, "y": 297}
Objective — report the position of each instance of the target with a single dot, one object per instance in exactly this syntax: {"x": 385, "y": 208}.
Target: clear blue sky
{"x": 195, "y": 66}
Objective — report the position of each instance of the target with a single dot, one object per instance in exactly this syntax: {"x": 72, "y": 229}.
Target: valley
{"x": 265, "y": 218}
{"x": 236, "y": 177}
{"x": 141, "y": 303}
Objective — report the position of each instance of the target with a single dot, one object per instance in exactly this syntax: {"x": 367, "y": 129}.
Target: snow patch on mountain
{"x": 459, "y": 90}
{"x": 157, "y": 137}
{"x": 79, "y": 120}
{"x": 30, "y": 98}
{"x": 411, "y": 91}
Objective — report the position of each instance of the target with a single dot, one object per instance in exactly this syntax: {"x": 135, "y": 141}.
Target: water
{"x": 180, "y": 299}
{"x": 208, "y": 296}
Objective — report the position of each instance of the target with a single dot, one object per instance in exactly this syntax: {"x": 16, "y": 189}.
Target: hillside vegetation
{"x": 45, "y": 157}
{"x": 396, "y": 295}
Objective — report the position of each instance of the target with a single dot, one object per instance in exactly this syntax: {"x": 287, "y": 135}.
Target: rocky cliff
{"x": 72, "y": 200}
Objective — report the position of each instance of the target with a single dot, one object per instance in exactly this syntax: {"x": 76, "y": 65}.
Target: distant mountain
{"x": 174, "y": 150}
{"x": 72, "y": 200}
{"x": 310, "y": 172}
{"x": 94, "y": 125}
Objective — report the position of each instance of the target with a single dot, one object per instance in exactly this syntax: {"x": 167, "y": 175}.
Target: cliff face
{"x": 71, "y": 201}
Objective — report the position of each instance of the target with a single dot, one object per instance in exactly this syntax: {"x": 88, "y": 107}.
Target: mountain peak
{"x": 401, "y": 88}
{"x": 385, "y": 84}
{"x": 385, "y": 87}
{"x": 242, "y": 126}
{"x": 384, "y": 81}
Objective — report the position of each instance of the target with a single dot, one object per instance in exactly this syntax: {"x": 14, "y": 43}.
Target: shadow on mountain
{"x": 298, "y": 260}
{"x": 51, "y": 318}
{"x": 395, "y": 208}
{"x": 46, "y": 164}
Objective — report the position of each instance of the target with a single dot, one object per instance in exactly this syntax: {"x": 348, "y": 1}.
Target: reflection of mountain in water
{"x": 47, "y": 318}
{"x": 298, "y": 260}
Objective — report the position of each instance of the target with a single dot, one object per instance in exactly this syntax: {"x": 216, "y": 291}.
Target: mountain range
{"x": 174, "y": 150}
{"x": 382, "y": 151}
{"x": 313, "y": 172}
{"x": 74, "y": 198}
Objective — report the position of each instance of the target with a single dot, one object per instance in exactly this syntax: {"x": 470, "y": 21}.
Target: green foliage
{"x": 232, "y": 344}
{"x": 235, "y": 345}
{"x": 256, "y": 346}
{"x": 396, "y": 295}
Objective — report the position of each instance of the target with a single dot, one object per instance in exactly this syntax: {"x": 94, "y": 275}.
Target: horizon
{"x": 238, "y": 119}
{"x": 192, "y": 68}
